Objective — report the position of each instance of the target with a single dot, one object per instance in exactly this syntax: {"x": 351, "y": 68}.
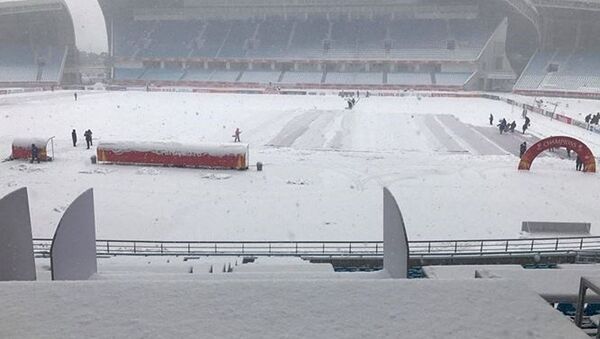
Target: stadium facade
{"x": 528, "y": 46}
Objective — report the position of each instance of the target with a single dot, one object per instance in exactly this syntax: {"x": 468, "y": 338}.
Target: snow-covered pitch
{"x": 453, "y": 175}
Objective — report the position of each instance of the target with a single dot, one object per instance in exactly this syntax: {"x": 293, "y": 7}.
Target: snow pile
{"x": 215, "y": 176}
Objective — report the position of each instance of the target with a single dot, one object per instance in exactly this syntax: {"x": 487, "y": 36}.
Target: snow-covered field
{"x": 571, "y": 107}
{"x": 324, "y": 167}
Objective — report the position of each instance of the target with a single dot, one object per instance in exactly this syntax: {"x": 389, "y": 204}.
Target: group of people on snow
{"x": 352, "y": 98}
{"x": 592, "y": 119}
{"x": 351, "y": 102}
{"x": 505, "y": 127}
{"x": 87, "y": 135}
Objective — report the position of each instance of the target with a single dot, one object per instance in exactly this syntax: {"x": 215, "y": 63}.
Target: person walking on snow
{"x": 502, "y": 125}
{"x": 526, "y": 124}
{"x": 35, "y": 153}
{"x": 74, "y": 137}
{"x": 88, "y": 138}
{"x": 236, "y": 135}
{"x": 578, "y": 163}
{"x": 75, "y": 96}
{"x": 513, "y": 125}
{"x": 491, "y": 119}
{"x": 522, "y": 149}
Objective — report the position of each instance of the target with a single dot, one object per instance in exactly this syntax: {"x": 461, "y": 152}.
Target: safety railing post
{"x": 323, "y": 248}
{"x": 481, "y": 247}
{"x": 376, "y": 248}
{"x": 350, "y": 247}
{"x": 456, "y": 247}
{"x": 134, "y": 248}
{"x": 189, "y": 248}
{"x": 107, "y": 247}
{"x": 581, "y": 244}
{"x": 506, "y": 247}
{"x": 161, "y": 248}
{"x": 532, "y": 241}
{"x": 215, "y": 247}
{"x": 269, "y": 248}
{"x": 429, "y": 247}
{"x": 556, "y": 245}
{"x": 242, "y": 248}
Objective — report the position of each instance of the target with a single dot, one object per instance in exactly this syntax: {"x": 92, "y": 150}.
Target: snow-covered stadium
{"x": 259, "y": 136}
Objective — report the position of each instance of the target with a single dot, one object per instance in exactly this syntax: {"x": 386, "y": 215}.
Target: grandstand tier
{"x": 567, "y": 61}
{"x": 401, "y": 45}
{"x": 37, "y": 43}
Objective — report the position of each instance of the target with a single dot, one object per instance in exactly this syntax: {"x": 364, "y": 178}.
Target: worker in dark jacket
{"x": 578, "y": 164}
{"x": 88, "y": 138}
{"x": 236, "y": 135}
{"x": 74, "y": 137}
{"x": 522, "y": 149}
{"x": 35, "y": 153}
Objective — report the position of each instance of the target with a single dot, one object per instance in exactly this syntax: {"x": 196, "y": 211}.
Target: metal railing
{"x": 423, "y": 248}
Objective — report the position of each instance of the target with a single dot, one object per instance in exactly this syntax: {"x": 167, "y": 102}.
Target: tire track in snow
{"x": 294, "y": 129}
{"x": 511, "y": 141}
{"x": 478, "y": 143}
{"x": 441, "y": 135}
{"x": 316, "y": 134}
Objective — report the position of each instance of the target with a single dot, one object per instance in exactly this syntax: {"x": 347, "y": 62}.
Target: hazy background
{"x": 90, "y": 29}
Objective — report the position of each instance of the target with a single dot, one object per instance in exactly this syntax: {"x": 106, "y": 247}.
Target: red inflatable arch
{"x": 589, "y": 162}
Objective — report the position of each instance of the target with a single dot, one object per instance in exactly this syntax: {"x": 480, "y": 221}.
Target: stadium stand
{"x": 193, "y": 74}
{"x": 320, "y": 47}
{"x": 452, "y": 79}
{"x": 302, "y": 77}
{"x": 421, "y": 79}
{"x": 562, "y": 70}
{"x": 263, "y": 77}
{"x": 169, "y": 74}
{"x": 225, "y": 76}
{"x": 37, "y": 44}
{"x": 373, "y": 78}
{"x": 128, "y": 73}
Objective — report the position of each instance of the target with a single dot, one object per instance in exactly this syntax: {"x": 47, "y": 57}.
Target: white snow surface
{"x": 279, "y": 309}
{"x": 554, "y": 285}
{"x": 324, "y": 167}
{"x": 571, "y": 107}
